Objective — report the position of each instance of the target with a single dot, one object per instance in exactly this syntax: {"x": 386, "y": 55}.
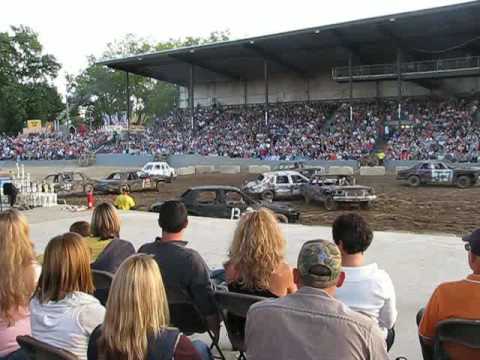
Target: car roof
{"x": 214, "y": 187}
{"x": 281, "y": 173}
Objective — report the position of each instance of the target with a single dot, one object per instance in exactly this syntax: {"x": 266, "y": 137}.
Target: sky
{"x": 72, "y": 30}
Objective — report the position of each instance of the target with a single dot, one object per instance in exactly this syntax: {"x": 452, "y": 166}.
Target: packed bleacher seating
{"x": 427, "y": 129}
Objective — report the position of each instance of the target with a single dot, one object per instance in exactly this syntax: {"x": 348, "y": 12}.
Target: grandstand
{"x": 420, "y": 53}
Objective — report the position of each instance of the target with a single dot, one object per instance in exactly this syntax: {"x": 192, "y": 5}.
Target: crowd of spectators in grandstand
{"x": 436, "y": 130}
{"x": 332, "y": 303}
{"x": 427, "y": 129}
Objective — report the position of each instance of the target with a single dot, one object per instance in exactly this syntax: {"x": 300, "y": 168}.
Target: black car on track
{"x": 227, "y": 202}
{"x": 439, "y": 173}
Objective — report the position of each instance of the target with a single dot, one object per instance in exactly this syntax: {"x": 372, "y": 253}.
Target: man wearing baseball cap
{"x": 311, "y": 323}
{"x": 456, "y": 299}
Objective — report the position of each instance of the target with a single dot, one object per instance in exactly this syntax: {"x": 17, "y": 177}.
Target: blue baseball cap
{"x": 474, "y": 240}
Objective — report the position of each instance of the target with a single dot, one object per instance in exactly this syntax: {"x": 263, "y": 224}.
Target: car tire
{"x": 463, "y": 182}
{"x": 170, "y": 179}
{"x": 330, "y": 204}
{"x": 414, "y": 181}
{"x": 267, "y": 195}
{"x": 366, "y": 205}
{"x": 282, "y": 219}
{"x": 158, "y": 186}
{"x": 307, "y": 199}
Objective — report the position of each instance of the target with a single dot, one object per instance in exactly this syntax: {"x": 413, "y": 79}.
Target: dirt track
{"x": 399, "y": 208}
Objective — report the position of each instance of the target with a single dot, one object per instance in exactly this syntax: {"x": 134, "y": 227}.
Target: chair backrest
{"x": 37, "y": 350}
{"x": 235, "y": 303}
{"x": 457, "y": 331}
{"x": 102, "y": 280}
{"x": 185, "y": 316}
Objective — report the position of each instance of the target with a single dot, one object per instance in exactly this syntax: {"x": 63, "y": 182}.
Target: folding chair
{"x": 456, "y": 331}
{"x": 102, "y": 280}
{"x": 185, "y": 316}
{"x": 37, "y": 350}
{"x": 234, "y": 308}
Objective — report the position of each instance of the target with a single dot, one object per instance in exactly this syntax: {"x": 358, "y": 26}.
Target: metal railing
{"x": 408, "y": 68}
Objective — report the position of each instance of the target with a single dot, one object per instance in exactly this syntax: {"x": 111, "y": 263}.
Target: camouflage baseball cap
{"x": 320, "y": 252}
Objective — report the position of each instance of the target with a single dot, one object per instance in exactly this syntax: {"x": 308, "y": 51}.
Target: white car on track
{"x": 161, "y": 169}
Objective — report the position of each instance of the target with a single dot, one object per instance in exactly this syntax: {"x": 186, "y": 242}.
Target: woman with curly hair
{"x": 17, "y": 283}
{"x": 256, "y": 264}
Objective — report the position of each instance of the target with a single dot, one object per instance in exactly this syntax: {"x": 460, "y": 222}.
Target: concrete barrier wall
{"x": 194, "y": 160}
{"x": 204, "y": 169}
{"x": 228, "y": 169}
{"x": 372, "y": 171}
{"x": 340, "y": 170}
{"x": 258, "y": 169}
{"x": 188, "y": 170}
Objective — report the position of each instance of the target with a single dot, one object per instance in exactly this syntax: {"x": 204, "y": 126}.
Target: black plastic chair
{"x": 37, "y": 350}
{"x": 456, "y": 331}
{"x": 185, "y": 316}
{"x": 102, "y": 280}
{"x": 234, "y": 308}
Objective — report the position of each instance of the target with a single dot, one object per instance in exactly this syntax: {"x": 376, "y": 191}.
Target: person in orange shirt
{"x": 456, "y": 299}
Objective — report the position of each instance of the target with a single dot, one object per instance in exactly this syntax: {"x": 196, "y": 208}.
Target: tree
{"x": 103, "y": 90}
{"x": 25, "y": 80}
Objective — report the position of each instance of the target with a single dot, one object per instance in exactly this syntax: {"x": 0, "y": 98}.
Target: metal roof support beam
{"x": 350, "y": 76}
{"x": 190, "y": 60}
{"x": 191, "y": 96}
{"x": 266, "y": 75}
{"x": 353, "y": 49}
{"x": 271, "y": 57}
{"x": 127, "y": 83}
{"x": 399, "y": 74}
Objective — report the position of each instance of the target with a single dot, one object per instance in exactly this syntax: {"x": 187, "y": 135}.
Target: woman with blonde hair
{"x": 256, "y": 264}
{"x": 17, "y": 281}
{"x": 63, "y": 311}
{"x": 108, "y": 250}
{"x": 137, "y": 318}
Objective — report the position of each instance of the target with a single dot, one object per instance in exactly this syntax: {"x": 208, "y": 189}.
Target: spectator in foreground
{"x": 367, "y": 289}
{"x": 108, "y": 250}
{"x": 81, "y": 228}
{"x": 124, "y": 201}
{"x": 185, "y": 273}
{"x": 17, "y": 282}
{"x": 64, "y": 313}
{"x": 311, "y": 323}
{"x": 456, "y": 299}
{"x": 142, "y": 332}
{"x": 256, "y": 264}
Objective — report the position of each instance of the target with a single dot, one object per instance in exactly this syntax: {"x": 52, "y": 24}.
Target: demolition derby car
{"x": 227, "y": 202}
{"x": 129, "y": 180}
{"x": 333, "y": 191}
{"x": 438, "y": 173}
{"x": 70, "y": 182}
{"x": 276, "y": 185}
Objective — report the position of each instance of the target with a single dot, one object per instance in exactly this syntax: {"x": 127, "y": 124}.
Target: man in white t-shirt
{"x": 367, "y": 289}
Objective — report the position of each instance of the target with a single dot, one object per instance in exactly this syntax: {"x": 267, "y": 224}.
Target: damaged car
{"x": 228, "y": 202}
{"x": 276, "y": 185}
{"x": 128, "y": 180}
{"x": 333, "y": 191}
{"x": 69, "y": 182}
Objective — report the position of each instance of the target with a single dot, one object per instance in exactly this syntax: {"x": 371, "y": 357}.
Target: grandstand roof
{"x": 420, "y": 35}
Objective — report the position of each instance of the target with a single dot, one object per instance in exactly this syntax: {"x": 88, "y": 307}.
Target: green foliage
{"x": 25, "y": 76}
{"x": 103, "y": 91}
